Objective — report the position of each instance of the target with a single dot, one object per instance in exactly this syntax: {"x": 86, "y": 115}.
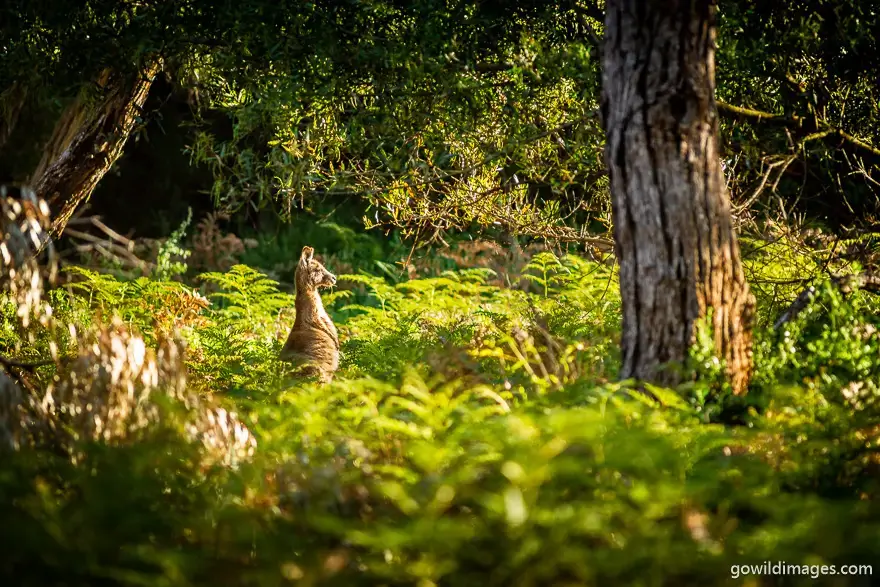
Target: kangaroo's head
{"x": 310, "y": 274}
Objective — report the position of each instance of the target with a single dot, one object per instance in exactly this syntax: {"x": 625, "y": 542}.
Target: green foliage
{"x": 239, "y": 343}
{"x": 710, "y": 388}
{"x": 545, "y": 268}
{"x": 831, "y": 347}
{"x": 473, "y": 116}
{"x": 389, "y": 102}
{"x": 808, "y": 64}
{"x": 170, "y": 261}
{"x": 247, "y": 295}
{"x": 153, "y": 306}
{"x": 471, "y": 437}
{"x": 277, "y": 250}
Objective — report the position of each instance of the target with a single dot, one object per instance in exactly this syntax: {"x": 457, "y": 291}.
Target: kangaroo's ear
{"x": 307, "y": 254}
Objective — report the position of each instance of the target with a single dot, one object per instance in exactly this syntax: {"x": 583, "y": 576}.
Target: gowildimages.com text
{"x": 783, "y": 568}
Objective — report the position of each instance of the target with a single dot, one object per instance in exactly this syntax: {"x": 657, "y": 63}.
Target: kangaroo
{"x": 313, "y": 341}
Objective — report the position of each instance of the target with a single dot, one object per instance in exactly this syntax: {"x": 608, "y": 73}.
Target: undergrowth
{"x": 475, "y": 435}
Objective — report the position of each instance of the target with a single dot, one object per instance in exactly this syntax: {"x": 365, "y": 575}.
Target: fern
{"x": 151, "y": 306}
{"x": 385, "y": 294}
{"x": 247, "y": 294}
{"x": 469, "y": 423}
{"x": 166, "y": 266}
{"x": 545, "y": 269}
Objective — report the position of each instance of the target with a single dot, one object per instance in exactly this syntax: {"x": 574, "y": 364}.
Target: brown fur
{"x": 313, "y": 340}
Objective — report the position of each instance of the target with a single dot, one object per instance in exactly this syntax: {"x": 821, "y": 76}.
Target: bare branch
{"x": 108, "y": 248}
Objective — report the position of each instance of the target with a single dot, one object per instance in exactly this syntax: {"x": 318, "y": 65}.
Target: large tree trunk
{"x": 88, "y": 139}
{"x": 678, "y": 254}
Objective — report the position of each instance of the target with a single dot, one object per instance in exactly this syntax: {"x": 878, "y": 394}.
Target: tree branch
{"x": 594, "y": 12}
{"x": 26, "y": 365}
{"x": 846, "y": 283}
{"x": 752, "y": 114}
{"x": 826, "y": 130}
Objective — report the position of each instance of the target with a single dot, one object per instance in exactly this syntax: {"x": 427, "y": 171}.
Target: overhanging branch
{"x": 825, "y": 130}
{"x": 756, "y": 115}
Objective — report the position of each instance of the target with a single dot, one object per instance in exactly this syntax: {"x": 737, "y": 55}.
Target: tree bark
{"x": 88, "y": 139}
{"x": 674, "y": 238}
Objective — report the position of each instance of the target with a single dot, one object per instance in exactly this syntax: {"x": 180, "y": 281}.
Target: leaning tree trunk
{"x": 675, "y": 242}
{"x": 88, "y": 139}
